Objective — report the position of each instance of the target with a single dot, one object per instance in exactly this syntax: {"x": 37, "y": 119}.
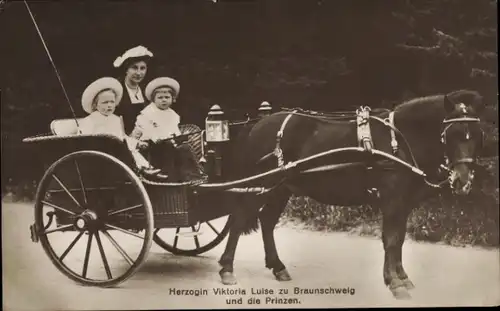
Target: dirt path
{"x": 443, "y": 275}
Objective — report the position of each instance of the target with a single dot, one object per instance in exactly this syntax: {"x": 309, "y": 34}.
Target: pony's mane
{"x": 432, "y": 107}
{"x": 421, "y": 107}
{"x": 465, "y": 94}
{"x": 420, "y": 101}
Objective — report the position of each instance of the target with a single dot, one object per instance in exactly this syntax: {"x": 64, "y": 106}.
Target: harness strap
{"x": 389, "y": 122}
{"x": 277, "y": 150}
{"x": 394, "y": 141}
{"x": 366, "y": 142}
{"x": 364, "y": 133}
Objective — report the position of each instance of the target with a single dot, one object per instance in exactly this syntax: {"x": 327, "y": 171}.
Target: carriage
{"x": 91, "y": 186}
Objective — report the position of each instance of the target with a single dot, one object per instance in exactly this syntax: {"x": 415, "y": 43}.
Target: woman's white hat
{"x": 97, "y": 86}
{"x": 159, "y": 82}
{"x": 138, "y": 51}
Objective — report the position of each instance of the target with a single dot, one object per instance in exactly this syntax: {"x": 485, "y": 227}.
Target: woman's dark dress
{"x": 129, "y": 111}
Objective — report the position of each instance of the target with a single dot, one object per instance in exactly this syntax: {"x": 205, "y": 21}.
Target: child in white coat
{"x": 100, "y": 99}
{"x": 158, "y": 122}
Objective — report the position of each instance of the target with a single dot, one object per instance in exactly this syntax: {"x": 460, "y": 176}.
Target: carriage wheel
{"x": 193, "y": 240}
{"x": 103, "y": 226}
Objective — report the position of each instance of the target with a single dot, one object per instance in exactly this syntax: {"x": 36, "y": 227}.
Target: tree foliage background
{"x": 324, "y": 55}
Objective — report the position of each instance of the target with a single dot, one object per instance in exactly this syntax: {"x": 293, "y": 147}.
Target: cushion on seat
{"x": 64, "y": 127}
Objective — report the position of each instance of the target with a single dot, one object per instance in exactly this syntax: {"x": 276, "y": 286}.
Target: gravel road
{"x": 443, "y": 275}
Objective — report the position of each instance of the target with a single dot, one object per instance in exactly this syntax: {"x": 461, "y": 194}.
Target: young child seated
{"x": 99, "y": 100}
{"x": 158, "y": 122}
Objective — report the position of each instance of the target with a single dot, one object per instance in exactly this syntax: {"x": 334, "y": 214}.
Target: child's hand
{"x": 142, "y": 145}
{"x": 171, "y": 141}
{"x": 136, "y": 133}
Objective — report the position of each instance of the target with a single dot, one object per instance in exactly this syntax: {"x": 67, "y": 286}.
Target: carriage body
{"x": 91, "y": 185}
{"x": 173, "y": 204}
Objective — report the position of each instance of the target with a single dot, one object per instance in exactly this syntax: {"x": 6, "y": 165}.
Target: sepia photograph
{"x": 230, "y": 154}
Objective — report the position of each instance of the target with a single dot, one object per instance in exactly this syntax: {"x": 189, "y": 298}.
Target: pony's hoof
{"x": 282, "y": 276}
{"x": 408, "y": 284}
{"x": 228, "y": 278}
{"x": 401, "y": 293}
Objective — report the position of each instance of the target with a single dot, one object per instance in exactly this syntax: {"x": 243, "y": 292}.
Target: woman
{"x": 134, "y": 64}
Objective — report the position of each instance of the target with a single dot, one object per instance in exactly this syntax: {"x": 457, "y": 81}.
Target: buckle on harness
{"x": 279, "y": 135}
{"x": 364, "y": 134}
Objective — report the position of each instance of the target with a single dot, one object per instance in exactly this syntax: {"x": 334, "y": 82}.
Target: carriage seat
{"x": 64, "y": 127}
{"x": 68, "y": 127}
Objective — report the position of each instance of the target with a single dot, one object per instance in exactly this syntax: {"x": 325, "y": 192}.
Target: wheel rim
{"x": 96, "y": 229}
{"x": 185, "y": 240}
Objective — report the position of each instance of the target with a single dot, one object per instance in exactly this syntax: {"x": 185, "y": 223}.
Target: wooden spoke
{"x": 57, "y": 207}
{"x": 88, "y": 189}
{"x": 66, "y": 190}
{"x": 125, "y": 209}
{"x": 176, "y": 239}
{"x": 124, "y": 231}
{"x": 61, "y": 228}
{"x": 196, "y": 241}
{"x": 103, "y": 256}
{"x": 118, "y": 248}
{"x": 71, "y": 246}
{"x": 87, "y": 256}
{"x": 81, "y": 182}
{"x": 213, "y": 228}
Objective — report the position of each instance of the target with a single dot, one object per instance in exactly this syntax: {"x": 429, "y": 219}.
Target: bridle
{"x": 448, "y": 166}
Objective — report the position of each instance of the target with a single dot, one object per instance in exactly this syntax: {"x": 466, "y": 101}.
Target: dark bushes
{"x": 472, "y": 220}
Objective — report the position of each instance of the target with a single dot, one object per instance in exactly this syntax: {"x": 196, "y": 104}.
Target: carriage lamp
{"x": 216, "y": 134}
{"x": 216, "y": 126}
{"x": 265, "y": 109}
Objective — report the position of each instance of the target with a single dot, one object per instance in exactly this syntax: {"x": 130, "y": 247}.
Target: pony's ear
{"x": 449, "y": 106}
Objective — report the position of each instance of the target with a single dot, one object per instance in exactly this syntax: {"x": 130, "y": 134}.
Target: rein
{"x": 334, "y": 115}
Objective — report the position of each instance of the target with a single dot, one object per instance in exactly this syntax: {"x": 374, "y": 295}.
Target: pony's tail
{"x": 251, "y": 225}
{"x": 245, "y": 215}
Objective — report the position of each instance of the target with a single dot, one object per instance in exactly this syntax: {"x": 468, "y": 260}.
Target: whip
{"x": 52, "y": 62}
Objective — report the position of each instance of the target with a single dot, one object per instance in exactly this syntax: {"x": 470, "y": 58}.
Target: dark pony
{"x": 438, "y": 134}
